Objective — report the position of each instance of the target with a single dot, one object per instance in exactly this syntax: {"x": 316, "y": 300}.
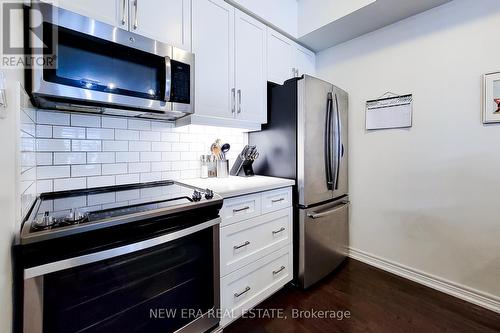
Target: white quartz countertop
{"x": 235, "y": 186}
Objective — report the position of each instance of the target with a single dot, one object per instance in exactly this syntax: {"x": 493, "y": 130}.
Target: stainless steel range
{"x": 120, "y": 258}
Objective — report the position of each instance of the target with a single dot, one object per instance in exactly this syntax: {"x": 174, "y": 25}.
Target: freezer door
{"x": 339, "y": 142}
{"x": 314, "y": 141}
{"x": 323, "y": 240}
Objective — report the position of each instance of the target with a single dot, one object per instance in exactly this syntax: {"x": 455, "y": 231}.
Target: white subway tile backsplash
{"x": 170, "y": 137}
{"x": 86, "y": 145}
{"x": 43, "y": 186}
{"x": 113, "y": 122}
{"x": 85, "y": 170}
{"x": 65, "y": 132}
{"x": 170, "y": 156}
{"x": 52, "y": 172}
{"x": 43, "y": 131}
{"x": 139, "y": 124}
{"x": 52, "y": 118}
{"x": 161, "y": 146}
{"x": 53, "y": 145}
{"x": 85, "y": 121}
{"x": 139, "y": 146}
{"x": 43, "y": 159}
{"x": 127, "y": 135}
{"x": 127, "y": 157}
{"x": 161, "y": 166}
{"x": 128, "y": 179}
{"x": 100, "y": 181}
{"x": 150, "y": 177}
{"x": 114, "y": 169}
{"x": 84, "y": 151}
{"x": 70, "y": 158}
{"x": 139, "y": 167}
{"x": 148, "y": 156}
{"x": 115, "y": 146}
{"x": 150, "y": 136}
{"x": 100, "y": 158}
{"x": 67, "y": 184}
{"x": 100, "y": 133}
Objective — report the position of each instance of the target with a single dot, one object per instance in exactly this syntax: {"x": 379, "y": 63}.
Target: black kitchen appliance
{"x": 117, "y": 259}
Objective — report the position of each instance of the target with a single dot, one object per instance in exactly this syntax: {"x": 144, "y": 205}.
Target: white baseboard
{"x": 470, "y": 295}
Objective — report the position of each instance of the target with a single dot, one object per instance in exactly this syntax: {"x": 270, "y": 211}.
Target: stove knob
{"x": 209, "y": 194}
{"x": 196, "y": 195}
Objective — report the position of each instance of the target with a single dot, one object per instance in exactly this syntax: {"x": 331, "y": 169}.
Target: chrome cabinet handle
{"x": 278, "y": 200}
{"x": 233, "y": 100}
{"x": 241, "y": 209}
{"x": 239, "y": 100}
{"x": 247, "y": 289}
{"x": 124, "y": 3}
{"x": 278, "y": 231}
{"x": 136, "y": 19}
{"x": 279, "y": 270}
{"x": 314, "y": 215}
{"x": 237, "y": 247}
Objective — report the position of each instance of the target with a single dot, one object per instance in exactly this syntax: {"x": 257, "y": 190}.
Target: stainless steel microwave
{"x": 100, "y": 68}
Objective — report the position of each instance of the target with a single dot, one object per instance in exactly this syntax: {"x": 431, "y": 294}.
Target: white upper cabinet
{"x": 167, "y": 21}
{"x": 305, "y": 61}
{"x": 287, "y": 59}
{"x": 113, "y": 12}
{"x": 213, "y": 46}
{"x": 251, "y": 66}
{"x": 280, "y": 57}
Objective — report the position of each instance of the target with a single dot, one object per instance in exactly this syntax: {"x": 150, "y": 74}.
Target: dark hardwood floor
{"x": 377, "y": 301}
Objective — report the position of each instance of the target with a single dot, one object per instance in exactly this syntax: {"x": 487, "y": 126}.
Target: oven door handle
{"x": 115, "y": 252}
{"x": 168, "y": 79}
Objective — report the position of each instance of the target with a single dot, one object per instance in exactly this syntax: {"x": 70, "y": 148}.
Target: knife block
{"x": 242, "y": 168}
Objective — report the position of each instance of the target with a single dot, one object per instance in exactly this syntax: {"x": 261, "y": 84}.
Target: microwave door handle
{"x": 168, "y": 79}
{"x": 328, "y": 142}
{"x": 338, "y": 143}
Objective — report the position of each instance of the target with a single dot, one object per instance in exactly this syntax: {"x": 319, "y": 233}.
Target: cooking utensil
{"x": 225, "y": 148}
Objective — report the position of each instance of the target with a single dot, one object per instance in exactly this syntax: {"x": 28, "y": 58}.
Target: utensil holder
{"x": 222, "y": 168}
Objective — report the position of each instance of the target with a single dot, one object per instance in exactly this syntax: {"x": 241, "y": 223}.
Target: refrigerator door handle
{"x": 339, "y": 146}
{"x": 328, "y": 142}
{"x": 315, "y": 215}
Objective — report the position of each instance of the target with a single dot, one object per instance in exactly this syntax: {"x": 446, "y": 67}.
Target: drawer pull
{"x": 279, "y": 270}
{"x": 278, "y": 200}
{"x": 247, "y": 289}
{"x": 241, "y": 209}
{"x": 278, "y": 231}
{"x": 236, "y": 247}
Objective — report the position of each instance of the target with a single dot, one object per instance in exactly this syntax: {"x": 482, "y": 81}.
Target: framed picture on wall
{"x": 491, "y": 99}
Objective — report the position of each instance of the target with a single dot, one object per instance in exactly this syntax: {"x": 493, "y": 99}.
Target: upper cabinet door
{"x": 251, "y": 68}
{"x": 113, "y": 12}
{"x": 280, "y": 57}
{"x": 167, "y": 21}
{"x": 305, "y": 61}
{"x": 213, "y": 46}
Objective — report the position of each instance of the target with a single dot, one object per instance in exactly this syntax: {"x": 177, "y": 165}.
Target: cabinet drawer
{"x": 240, "y": 208}
{"x": 276, "y": 200}
{"x": 244, "y": 242}
{"x": 250, "y": 285}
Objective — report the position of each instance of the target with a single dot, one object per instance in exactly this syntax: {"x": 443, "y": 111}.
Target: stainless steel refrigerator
{"x": 306, "y": 139}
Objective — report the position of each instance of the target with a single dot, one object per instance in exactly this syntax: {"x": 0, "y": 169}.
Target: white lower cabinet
{"x": 256, "y": 254}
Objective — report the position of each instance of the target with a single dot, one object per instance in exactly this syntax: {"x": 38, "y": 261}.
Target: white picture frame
{"x": 491, "y": 98}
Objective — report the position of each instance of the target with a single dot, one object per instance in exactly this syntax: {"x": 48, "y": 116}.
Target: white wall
{"x": 281, "y": 13}
{"x": 427, "y": 197}
{"x": 9, "y": 202}
{"x": 313, "y": 14}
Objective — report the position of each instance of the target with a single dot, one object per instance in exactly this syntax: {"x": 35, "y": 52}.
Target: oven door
{"x": 101, "y": 65}
{"x": 165, "y": 284}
